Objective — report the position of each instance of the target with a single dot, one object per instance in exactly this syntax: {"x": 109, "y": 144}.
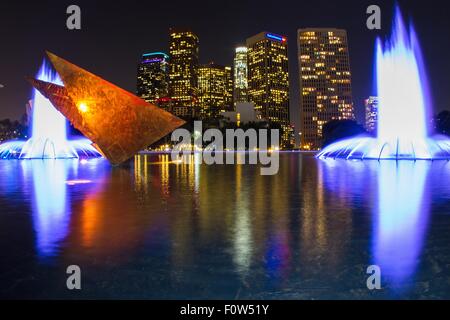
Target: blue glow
{"x": 277, "y": 255}
{"x": 404, "y": 104}
{"x": 275, "y": 37}
{"x": 166, "y": 56}
{"x": 152, "y": 60}
{"x": 51, "y": 209}
{"x": 401, "y": 220}
{"x": 51, "y": 185}
{"x": 49, "y": 131}
{"x": 399, "y": 198}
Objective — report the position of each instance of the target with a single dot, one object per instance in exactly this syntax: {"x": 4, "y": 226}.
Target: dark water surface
{"x": 161, "y": 230}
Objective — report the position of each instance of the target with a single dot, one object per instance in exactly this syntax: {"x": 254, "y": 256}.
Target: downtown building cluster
{"x": 259, "y": 77}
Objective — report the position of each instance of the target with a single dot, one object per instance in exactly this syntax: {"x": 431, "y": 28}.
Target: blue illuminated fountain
{"x": 404, "y": 106}
{"x": 49, "y": 131}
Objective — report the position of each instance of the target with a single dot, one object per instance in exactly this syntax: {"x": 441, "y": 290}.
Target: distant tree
{"x": 12, "y": 130}
{"x": 442, "y": 123}
{"x": 335, "y": 130}
{"x": 21, "y": 129}
{"x": 5, "y": 123}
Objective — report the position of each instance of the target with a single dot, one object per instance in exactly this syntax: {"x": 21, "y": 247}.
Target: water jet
{"x": 49, "y": 138}
{"x": 404, "y": 106}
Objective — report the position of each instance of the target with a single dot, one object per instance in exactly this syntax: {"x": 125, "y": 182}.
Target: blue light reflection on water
{"x": 401, "y": 219}
{"x": 51, "y": 206}
{"x": 398, "y": 193}
{"x": 51, "y": 199}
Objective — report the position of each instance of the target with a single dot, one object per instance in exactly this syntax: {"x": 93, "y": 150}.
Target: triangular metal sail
{"x": 118, "y": 123}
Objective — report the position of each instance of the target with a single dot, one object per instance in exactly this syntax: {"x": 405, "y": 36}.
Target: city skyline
{"x": 155, "y": 157}
{"x": 218, "y": 43}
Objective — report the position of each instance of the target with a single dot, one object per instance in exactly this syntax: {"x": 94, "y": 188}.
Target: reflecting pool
{"x": 162, "y": 230}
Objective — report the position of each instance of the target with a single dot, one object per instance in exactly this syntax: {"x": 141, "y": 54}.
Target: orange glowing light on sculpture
{"x": 83, "y": 107}
{"x": 118, "y": 123}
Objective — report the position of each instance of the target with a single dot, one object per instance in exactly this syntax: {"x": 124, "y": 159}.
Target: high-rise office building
{"x": 371, "y": 108}
{"x": 268, "y": 80}
{"x": 214, "y": 90}
{"x": 184, "y": 52}
{"x": 229, "y": 99}
{"x": 153, "y": 77}
{"x": 240, "y": 75}
{"x": 325, "y": 82}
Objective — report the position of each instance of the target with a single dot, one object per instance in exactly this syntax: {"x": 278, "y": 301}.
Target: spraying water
{"x": 404, "y": 103}
{"x": 49, "y": 131}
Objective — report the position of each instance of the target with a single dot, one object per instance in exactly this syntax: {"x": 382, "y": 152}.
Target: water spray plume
{"x": 404, "y": 106}
{"x": 48, "y": 130}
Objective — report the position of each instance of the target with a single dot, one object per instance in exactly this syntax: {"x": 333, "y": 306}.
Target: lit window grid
{"x": 268, "y": 82}
{"x": 183, "y": 49}
{"x": 214, "y": 90}
{"x": 324, "y": 69}
{"x": 152, "y": 81}
{"x": 240, "y": 76}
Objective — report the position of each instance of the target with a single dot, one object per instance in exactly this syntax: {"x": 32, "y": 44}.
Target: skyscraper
{"x": 325, "y": 82}
{"x": 240, "y": 75}
{"x": 153, "y": 77}
{"x": 268, "y": 80}
{"x": 229, "y": 99}
{"x": 183, "y": 51}
{"x": 371, "y": 111}
{"x": 214, "y": 90}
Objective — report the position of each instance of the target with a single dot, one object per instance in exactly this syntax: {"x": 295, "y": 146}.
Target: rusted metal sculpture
{"x": 117, "y": 122}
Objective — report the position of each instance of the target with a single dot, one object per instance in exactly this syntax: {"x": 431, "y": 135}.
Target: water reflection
{"x": 50, "y": 204}
{"x": 242, "y": 231}
{"x": 53, "y": 184}
{"x": 107, "y": 227}
{"x": 225, "y": 231}
{"x": 397, "y": 194}
{"x": 401, "y": 219}
{"x": 329, "y": 195}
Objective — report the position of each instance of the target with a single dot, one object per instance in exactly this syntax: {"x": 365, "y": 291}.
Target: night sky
{"x": 115, "y": 33}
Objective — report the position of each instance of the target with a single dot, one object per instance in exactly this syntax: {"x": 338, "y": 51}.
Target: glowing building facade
{"x": 214, "y": 90}
{"x": 240, "y": 75}
{"x": 268, "y": 80}
{"x": 183, "y": 69}
{"x": 325, "y": 82}
{"x": 153, "y": 77}
{"x": 371, "y": 111}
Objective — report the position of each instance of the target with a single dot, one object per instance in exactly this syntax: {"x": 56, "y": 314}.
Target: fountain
{"x": 49, "y": 132}
{"x": 404, "y": 104}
